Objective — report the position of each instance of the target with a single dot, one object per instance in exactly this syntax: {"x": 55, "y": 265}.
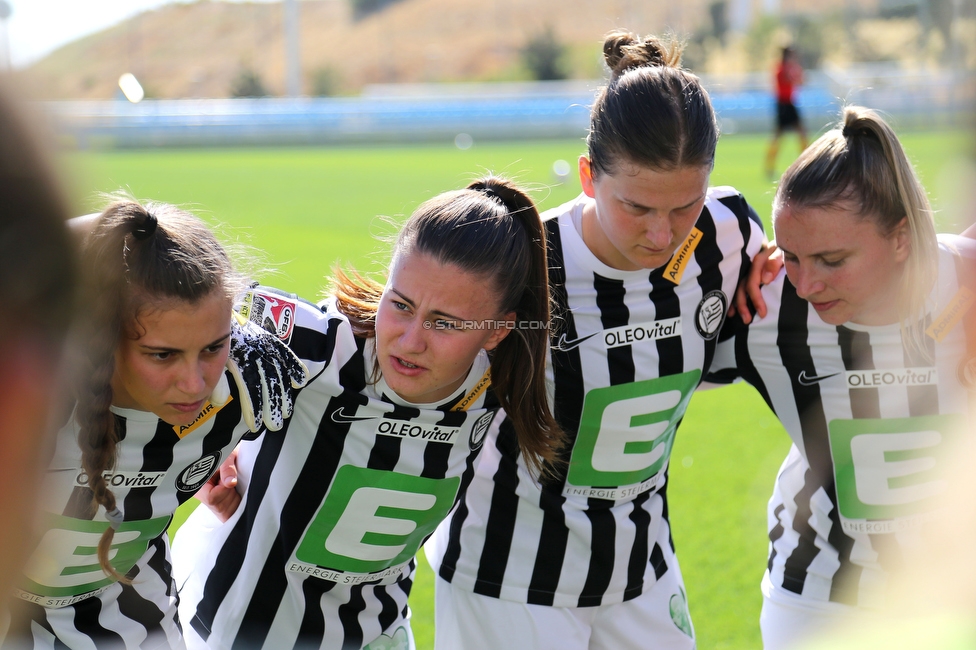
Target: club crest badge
{"x": 479, "y": 430}
{"x": 710, "y": 314}
{"x": 197, "y": 473}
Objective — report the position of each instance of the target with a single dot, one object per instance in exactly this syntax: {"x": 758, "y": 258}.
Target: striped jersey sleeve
{"x": 627, "y": 352}
{"x": 65, "y": 597}
{"x": 874, "y": 422}
{"x": 320, "y": 551}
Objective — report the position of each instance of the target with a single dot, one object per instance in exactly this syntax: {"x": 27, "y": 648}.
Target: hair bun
{"x": 613, "y": 47}
{"x": 144, "y": 228}
{"x": 623, "y": 51}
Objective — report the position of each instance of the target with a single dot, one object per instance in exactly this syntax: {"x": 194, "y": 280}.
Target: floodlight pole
{"x": 293, "y": 64}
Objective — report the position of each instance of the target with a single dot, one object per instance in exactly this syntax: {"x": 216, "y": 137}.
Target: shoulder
{"x": 566, "y": 210}
{"x": 772, "y": 294}
{"x": 737, "y": 227}
{"x": 725, "y": 202}
{"x": 957, "y": 246}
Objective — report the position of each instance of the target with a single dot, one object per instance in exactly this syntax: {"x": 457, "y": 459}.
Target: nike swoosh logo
{"x": 565, "y": 345}
{"x": 341, "y": 418}
{"x": 810, "y": 381}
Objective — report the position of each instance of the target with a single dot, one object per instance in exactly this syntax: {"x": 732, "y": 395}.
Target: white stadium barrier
{"x": 506, "y": 111}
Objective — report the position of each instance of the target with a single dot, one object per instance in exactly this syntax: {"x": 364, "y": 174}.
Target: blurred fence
{"x": 427, "y": 112}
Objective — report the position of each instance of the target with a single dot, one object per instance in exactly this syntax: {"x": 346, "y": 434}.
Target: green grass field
{"x": 299, "y": 212}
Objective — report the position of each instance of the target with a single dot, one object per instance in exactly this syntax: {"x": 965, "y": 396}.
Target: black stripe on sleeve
{"x": 313, "y": 345}
{"x": 747, "y": 218}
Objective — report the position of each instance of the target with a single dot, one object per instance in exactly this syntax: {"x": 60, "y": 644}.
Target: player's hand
{"x": 220, "y": 492}
{"x": 765, "y": 265}
{"x": 267, "y": 372}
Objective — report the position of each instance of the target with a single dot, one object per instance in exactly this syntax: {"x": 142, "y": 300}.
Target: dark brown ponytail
{"x": 518, "y": 363}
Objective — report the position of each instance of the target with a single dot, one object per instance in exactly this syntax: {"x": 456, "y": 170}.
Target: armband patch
{"x": 270, "y": 312}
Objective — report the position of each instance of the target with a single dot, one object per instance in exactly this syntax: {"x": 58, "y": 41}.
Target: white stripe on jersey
{"x": 156, "y": 470}
{"x": 848, "y": 395}
{"x": 628, "y": 350}
{"x": 321, "y": 549}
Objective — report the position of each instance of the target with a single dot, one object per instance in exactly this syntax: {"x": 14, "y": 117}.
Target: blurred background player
{"x": 788, "y": 75}
{"x": 37, "y": 280}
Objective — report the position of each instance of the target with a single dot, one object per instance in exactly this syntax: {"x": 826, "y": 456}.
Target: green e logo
{"x": 75, "y": 543}
{"x": 626, "y": 432}
{"x": 374, "y": 519}
{"x": 888, "y": 468}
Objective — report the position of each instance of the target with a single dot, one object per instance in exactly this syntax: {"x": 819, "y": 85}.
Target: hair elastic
{"x": 491, "y": 193}
{"x": 114, "y": 517}
{"x": 145, "y": 229}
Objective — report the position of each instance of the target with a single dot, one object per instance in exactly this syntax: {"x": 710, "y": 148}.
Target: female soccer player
{"x": 642, "y": 267}
{"x": 407, "y": 379}
{"x": 153, "y": 412}
{"x": 865, "y": 358}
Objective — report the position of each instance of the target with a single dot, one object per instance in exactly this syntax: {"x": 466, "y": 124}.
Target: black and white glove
{"x": 267, "y": 373}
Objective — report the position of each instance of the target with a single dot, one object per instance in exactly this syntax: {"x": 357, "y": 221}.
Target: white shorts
{"x": 789, "y": 621}
{"x": 469, "y": 621}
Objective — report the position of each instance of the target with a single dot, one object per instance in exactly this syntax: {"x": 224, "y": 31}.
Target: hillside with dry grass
{"x": 203, "y": 49}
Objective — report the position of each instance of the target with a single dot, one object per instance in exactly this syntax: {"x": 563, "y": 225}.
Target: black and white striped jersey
{"x": 66, "y": 600}
{"x": 320, "y": 552}
{"x": 871, "y": 419}
{"x": 628, "y": 351}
